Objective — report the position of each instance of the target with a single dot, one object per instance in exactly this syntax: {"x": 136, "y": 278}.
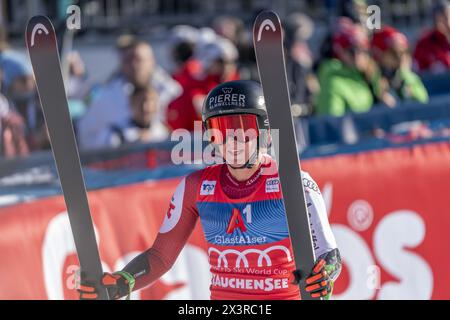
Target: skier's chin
{"x": 234, "y": 162}
{"x": 237, "y": 167}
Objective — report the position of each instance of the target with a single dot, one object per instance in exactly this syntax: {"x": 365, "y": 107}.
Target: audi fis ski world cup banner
{"x": 387, "y": 209}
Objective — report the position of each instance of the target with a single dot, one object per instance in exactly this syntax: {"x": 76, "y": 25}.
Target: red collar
{"x": 239, "y": 189}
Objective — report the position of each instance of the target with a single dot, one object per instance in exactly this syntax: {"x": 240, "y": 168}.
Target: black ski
{"x": 43, "y": 50}
{"x": 268, "y": 41}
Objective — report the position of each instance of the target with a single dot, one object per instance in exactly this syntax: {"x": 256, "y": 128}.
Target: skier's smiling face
{"x": 236, "y": 137}
{"x": 237, "y": 153}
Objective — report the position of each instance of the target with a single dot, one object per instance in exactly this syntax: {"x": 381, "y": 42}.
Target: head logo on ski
{"x": 265, "y": 25}
{"x": 40, "y": 34}
{"x": 39, "y": 29}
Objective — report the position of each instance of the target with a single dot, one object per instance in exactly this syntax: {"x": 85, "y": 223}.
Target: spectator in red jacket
{"x": 183, "y": 42}
{"x": 432, "y": 53}
{"x": 216, "y": 61}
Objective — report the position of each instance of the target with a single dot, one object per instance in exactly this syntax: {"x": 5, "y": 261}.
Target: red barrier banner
{"x": 390, "y": 216}
{"x": 387, "y": 208}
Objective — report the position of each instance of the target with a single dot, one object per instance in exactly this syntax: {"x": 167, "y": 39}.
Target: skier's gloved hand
{"x": 320, "y": 283}
{"x": 118, "y": 284}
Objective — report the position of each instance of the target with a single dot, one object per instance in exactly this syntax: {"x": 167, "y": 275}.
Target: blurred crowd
{"x": 354, "y": 70}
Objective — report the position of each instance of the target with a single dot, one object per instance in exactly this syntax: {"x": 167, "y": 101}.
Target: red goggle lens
{"x": 242, "y": 128}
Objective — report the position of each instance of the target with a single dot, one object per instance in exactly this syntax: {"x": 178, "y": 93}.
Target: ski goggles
{"x": 240, "y": 127}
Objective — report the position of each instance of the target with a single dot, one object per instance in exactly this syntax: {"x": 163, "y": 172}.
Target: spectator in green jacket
{"x": 390, "y": 49}
{"x": 349, "y": 80}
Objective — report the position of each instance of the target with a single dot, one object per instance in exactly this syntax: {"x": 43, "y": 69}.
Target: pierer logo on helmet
{"x": 227, "y": 99}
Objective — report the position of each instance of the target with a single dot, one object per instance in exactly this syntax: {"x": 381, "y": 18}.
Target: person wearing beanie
{"x": 432, "y": 52}
{"x": 389, "y": 48}
{"x": 346, "y": 85}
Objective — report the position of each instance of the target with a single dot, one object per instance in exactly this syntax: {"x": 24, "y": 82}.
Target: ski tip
{"x": 266, "y": 23}
{"x": 39, "y": 29}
